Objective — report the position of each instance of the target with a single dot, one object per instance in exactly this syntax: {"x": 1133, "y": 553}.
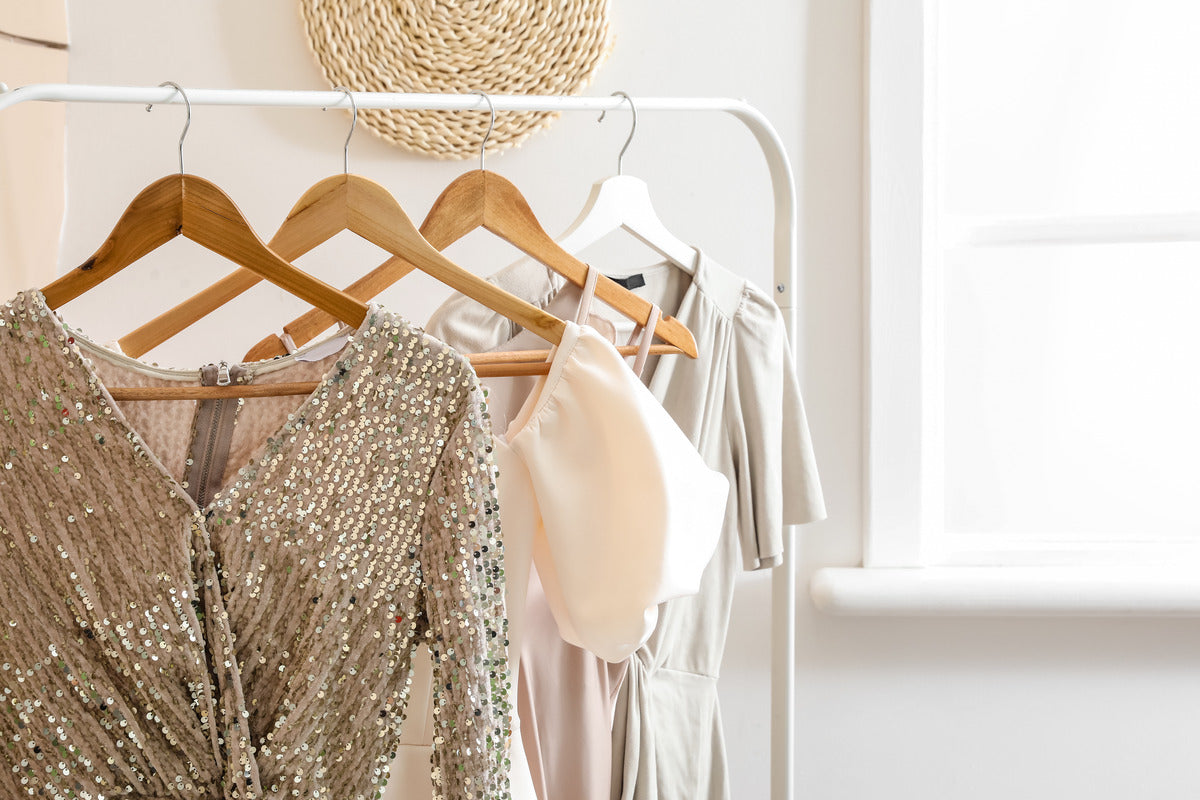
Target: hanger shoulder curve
{"x": 455, "y": 212}
{"x": 366, "y": 208}
{"x": 194, "y": 207}
{"x": 212, "y": 219}
{"x": 349, "y": 202}
{"x": 507, "y": 214}
{"x": 152, "y": 218}
{"x": 304, "y": 228}
{"x": 485, "y": 199}
{"x": 622, "y": 202}
{"x": 377, "y": 217}
{"x": 316, "y": 217}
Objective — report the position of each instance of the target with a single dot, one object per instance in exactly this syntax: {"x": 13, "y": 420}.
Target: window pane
{"x": 1064, "y": 106}
{"x": 1072, "y": 392}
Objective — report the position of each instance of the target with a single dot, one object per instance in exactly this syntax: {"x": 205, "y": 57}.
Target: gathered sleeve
{"x": 774, "y": 467}
{"x": 462, "y": 561}
{"x": 629, "y": 513}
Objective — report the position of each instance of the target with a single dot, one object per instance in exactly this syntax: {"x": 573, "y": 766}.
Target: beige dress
{"x": 257, "y": 645}
{"x": 739, "y": 403}
{"x": 602, "y": 491}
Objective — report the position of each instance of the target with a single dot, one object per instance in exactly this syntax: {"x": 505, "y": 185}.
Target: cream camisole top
{"x": 601, "y": 490}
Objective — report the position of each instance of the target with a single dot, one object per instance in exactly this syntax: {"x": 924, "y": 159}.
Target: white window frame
{"x": 901, "y": 428}
{"x": 903, "y": 571}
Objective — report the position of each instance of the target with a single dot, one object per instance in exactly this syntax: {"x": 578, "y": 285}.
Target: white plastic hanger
{"x": 623, "y": 202}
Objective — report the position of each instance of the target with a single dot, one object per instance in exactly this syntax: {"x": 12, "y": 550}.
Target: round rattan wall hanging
{"x": 495, "y": 46}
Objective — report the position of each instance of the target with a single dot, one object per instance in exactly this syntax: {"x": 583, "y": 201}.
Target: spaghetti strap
{"x": 646, "y": 331}
{"x": 647, "y": 336}
{"x": 589, "y": 292}
{"x": 585, "y": 304}
{"x": 288, "y": 343}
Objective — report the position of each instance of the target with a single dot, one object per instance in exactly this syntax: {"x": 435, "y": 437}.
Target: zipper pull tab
{"x": 223, "y": 378}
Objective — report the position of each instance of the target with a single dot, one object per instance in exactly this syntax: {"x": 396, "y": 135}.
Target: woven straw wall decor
{"x": 497, "y": 46}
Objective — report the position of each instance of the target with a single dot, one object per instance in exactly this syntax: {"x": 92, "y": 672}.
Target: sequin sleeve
{"x": 463, "y": 566}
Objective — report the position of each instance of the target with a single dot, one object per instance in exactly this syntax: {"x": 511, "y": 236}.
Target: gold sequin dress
{"x": 258, "y": 646}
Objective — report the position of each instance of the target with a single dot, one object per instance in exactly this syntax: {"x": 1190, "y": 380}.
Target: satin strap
{"x": 646, "y": 332}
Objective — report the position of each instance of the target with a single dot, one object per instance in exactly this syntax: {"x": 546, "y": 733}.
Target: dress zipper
{"x": 212, "y": 432}
{"x": 202, "y": 493}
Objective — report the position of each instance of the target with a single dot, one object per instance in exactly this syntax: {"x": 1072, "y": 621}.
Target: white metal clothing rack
{"x": 783, "y": 579}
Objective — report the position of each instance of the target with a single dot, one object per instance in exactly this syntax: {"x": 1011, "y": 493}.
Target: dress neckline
{"x": 71, "y": 350}
{"x": 657, "y": 378}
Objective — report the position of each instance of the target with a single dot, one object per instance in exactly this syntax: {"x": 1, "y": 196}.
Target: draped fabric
{"x": 605, "y": 495}
{"x": 739, "y": 404}
{"x": 258, "y": 645}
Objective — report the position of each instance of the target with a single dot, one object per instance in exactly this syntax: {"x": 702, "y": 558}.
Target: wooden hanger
{"x": 482, "y": 199}
{"x": 193, "y": 207}
{"x": 473, "y": 200}
{"x": 622, "y": 202}
{"x": 354, "y": 203}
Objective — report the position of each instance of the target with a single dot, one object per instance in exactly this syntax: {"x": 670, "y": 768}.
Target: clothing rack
{"x": 783, "y": 577}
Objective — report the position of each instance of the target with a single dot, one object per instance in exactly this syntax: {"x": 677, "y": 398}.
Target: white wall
{"x": 886, "y": 708}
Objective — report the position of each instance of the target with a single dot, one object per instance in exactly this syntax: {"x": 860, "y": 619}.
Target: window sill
{"x": 1008, "y": 591}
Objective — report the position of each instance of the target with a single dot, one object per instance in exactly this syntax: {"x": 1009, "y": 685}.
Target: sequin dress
{"x": 259, "y": 646}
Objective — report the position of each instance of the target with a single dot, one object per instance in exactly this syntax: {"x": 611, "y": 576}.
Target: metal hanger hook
{"x": 632, "y": 129}
{"x": 491, "y": 125}
{"x": 353, "y": 125}
{"x": 186, "y": 124}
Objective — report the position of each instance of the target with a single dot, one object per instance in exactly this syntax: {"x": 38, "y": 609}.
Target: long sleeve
{"x": 463, "y": 569}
